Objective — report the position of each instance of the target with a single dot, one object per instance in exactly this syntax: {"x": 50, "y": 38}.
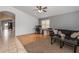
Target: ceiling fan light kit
{"x": 40, "y": 11}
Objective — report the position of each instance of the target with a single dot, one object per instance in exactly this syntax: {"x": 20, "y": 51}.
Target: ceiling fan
{"x": 41, "y": 9}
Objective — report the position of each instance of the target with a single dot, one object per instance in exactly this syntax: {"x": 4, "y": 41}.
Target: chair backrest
{"x": 51, "y": 33}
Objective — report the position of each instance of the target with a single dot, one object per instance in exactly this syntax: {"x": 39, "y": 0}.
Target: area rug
{"x": 44, "y": 46}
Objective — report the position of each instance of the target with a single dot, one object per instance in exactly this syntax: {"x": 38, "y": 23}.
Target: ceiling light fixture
{"x": 40, "y": 11}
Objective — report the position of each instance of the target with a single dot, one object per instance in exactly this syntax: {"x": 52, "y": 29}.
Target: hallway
{"x": 7, "y": 38}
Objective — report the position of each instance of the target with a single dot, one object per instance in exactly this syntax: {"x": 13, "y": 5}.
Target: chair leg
{"x": 54, "y": 41}
{"x": 51, "y": 40}
{"x": 75, "y": 48}
{"x": 61, "y": 44}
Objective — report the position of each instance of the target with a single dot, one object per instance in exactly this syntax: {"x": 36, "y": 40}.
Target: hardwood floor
{"x": 26, "y": 39}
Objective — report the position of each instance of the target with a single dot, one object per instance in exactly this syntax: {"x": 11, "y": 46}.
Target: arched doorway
{"x": 7, "y": 29}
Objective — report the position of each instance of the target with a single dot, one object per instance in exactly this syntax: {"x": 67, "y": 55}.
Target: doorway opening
{"x": 7, "y": 30}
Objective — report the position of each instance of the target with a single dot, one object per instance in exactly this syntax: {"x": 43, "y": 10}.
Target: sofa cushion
{"x": 74, "y": 42}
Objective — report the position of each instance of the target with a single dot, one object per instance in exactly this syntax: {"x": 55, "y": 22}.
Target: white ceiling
{"x": 51, "y": 10}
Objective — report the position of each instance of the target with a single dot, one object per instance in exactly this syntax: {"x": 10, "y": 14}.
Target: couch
{"x": 68, "y": 40}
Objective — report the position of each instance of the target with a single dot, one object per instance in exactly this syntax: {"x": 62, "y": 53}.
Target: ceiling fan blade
{"x": 39, "y": 7}
{"x": 45, "y": 8}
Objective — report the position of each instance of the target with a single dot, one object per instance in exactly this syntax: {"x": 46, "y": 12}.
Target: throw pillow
{"x": 61, "y": 34}
{"x": 74, "y": 35}
{"x": 77, "y": 37}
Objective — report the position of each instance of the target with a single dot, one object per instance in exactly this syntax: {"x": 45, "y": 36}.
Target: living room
{"x": 39, "y": 29}
{"x": 55, "y": 17}
{"x": 58, "y": 17}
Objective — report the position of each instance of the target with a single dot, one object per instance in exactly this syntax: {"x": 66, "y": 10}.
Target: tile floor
{"x": 9, "y": 43}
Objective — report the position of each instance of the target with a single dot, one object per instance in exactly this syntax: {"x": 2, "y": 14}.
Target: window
{"x": 45, "y": 24}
